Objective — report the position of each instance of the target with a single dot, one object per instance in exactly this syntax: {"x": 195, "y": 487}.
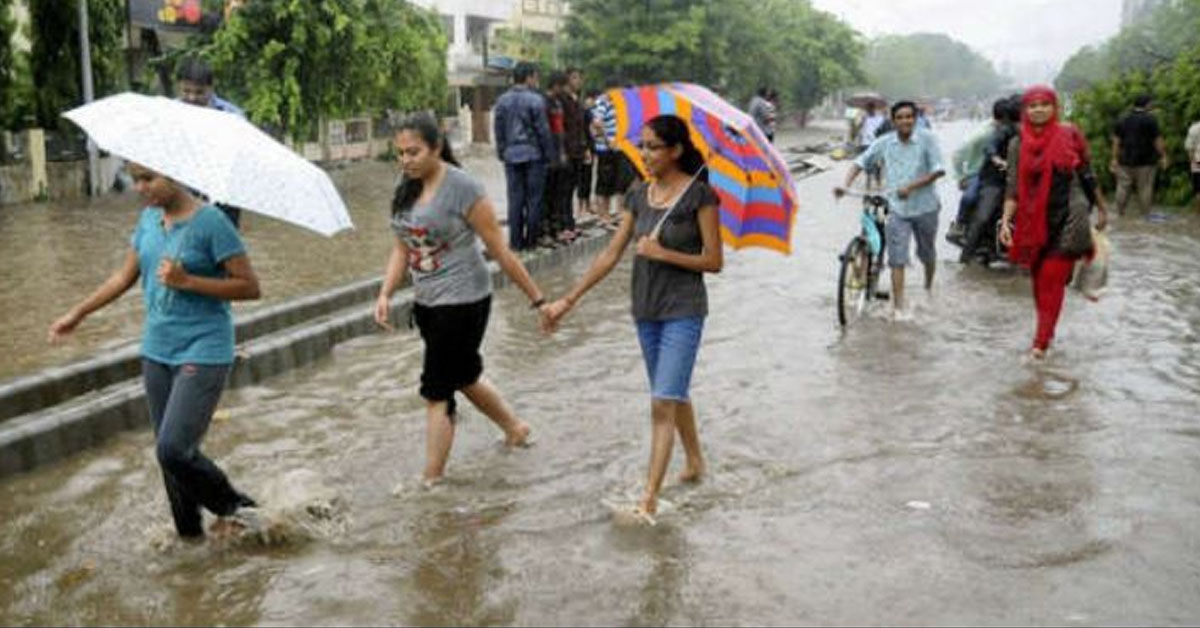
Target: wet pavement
{"x": 54, "y": 255}
{"x": 901, "y": 473}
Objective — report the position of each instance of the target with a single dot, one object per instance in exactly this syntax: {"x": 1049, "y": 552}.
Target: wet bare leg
{"x": 930, "y": 270}
{"x": 487, "y": 399}
{"x": 439, "y": 437}
{"x": 685, "y": 424}
{"x": 898, "y": 288}
{"x": 662, "y": 439}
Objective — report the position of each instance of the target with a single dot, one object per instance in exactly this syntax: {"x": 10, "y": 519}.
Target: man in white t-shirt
{"x": 1192, "y": 144}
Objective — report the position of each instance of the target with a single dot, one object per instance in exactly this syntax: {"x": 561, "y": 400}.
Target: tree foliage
{"x": 1175, "y": 86}
{"x": 1158, "y": 55}
{"x": 10, "y": 70}
{"x": 54, "y": 58}
{"x": 1157, "y": 39}
{"x": 732, "y": 46}
{"x": 291, "y": 64}
{"x": 927, "y": 66}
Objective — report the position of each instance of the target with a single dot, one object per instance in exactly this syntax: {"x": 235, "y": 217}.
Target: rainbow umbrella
{"x": 758, "y": 195}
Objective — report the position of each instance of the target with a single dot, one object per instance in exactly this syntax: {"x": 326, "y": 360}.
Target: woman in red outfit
{"x": 1049, "y": 187}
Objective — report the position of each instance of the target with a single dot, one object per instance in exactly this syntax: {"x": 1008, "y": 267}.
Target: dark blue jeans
{"x": 181, "y": 400}
{"x": 970, "y": 198}
{"x": 526, "y": 189}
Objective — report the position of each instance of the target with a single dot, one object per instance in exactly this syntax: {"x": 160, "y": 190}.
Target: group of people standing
{"x": 554, "y": 145}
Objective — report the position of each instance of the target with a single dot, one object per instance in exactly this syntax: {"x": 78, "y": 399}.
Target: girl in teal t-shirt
{"x": 192, "y": 263}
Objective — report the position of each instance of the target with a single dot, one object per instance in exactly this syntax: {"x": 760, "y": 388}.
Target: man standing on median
{"x": 524, "y": 144}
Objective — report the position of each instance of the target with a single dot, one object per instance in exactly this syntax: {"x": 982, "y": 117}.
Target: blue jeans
{"x": 669, "y": 349}
{"x": 526, "y": 189}
{"x": 181, "y": 400}
{"x": 970, "y": 198}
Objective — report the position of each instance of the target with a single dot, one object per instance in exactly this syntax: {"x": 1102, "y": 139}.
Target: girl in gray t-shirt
{"x": 439, "y": 215}
{"x": 675, "y": 220}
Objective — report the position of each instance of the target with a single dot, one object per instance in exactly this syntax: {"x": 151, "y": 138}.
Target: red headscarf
{"x": 1045, "y": 149}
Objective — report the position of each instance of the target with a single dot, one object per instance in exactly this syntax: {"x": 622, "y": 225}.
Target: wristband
{"x": 536, "y": 304}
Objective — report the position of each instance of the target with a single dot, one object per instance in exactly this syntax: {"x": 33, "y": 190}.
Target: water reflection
{"x": 904, "y": 473}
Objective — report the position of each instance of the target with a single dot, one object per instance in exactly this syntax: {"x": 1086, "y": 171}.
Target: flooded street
{"x": 901, "y": 473}
{"x": 56, "y": 254}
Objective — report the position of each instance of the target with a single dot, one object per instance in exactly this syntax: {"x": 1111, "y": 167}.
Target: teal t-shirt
{"x": 184, "y": 327}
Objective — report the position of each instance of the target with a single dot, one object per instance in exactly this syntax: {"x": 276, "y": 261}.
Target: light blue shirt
{"x": 221, "y": 104}
{"x": 903, "y": 163}
{"x": 185, "y": 327}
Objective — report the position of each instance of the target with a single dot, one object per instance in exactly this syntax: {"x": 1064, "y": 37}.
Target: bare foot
{"x": 519, "y": 437}
{"x": 1037, "y": 355}
{"x": 692, "y": 475}
{"x": 648, "y": 505}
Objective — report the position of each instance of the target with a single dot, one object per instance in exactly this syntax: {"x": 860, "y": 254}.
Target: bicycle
{"x": 862, "y": 261}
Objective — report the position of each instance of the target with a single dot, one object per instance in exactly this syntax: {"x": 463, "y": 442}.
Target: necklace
{"x": 662, "y": 202}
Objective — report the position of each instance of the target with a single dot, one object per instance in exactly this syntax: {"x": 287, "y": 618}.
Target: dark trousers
{"x": 560, "y": 195}
{"x": 181, "y": 401}
{"x": 584, "y": 187}
{"x": 968, "y": 201}
{"x": 526, "y": 188}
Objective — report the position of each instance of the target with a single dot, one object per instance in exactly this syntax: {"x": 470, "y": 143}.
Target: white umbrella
{"x": 219, "y": 154}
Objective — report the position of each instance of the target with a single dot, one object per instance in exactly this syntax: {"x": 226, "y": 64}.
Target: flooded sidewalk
{"x": 901, "y": 473}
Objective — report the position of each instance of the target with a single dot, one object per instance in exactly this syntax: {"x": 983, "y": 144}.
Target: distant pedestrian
{"x": 559, "y": 176}
{"x": 1050, "y": 192}
{"x": 577, "y": 146}
{"x": 1137, "y": 150}
{"x": 669, "y": 300}
{"x": 440, "y": 214}
{"x": 763, "y": 111}
{"x": 588, "y": 168}
{"x": 608, "y": 158}
{"x": 1192, "y": 145}
{"x": 191, "y": 263}
{"x": 194, "y": 86}
{"x": 525, "y": 145}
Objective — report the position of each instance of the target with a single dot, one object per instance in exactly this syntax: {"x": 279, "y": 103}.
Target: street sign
{"x": 171, "y": 15}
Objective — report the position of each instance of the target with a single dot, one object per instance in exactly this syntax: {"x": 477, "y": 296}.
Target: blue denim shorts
{"x": 669, "y": 349}
{"x": 902, "y": 229}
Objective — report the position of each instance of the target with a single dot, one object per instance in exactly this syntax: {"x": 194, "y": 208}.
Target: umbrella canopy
{"x": 218, "y": 154}
{"x": 862, "y": 99}
{"x": 758, "y": 195}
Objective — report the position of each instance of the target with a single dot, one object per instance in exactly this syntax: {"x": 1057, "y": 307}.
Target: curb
{"x": 61, "y": 411}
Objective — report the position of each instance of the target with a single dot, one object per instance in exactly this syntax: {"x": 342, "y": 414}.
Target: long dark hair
{"x": 426, "y": 127}
{"x": 673, "y": 131}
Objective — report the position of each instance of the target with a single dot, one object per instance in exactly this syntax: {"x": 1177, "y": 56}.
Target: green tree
{"x": 292, "y": 64}
{"x": 54, "y": 58}
{"x": 1176, "y": 86}
{"x": 732, "y": 46}
{"x": 926, "y": 65}
{"x": 1157, "y": 39}
{"x": 8, "y": 65}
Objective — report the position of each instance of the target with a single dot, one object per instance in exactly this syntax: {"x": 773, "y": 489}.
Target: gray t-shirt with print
{"x": 664, "y": 291}
{"x": 445, "y": 258}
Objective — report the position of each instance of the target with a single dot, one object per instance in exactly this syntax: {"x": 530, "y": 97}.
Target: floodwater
{"x": 901, "y": 473}
{"x": 52, "y": 255}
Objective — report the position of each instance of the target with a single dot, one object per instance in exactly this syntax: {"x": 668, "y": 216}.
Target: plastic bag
{"x": 1091, "y": 274}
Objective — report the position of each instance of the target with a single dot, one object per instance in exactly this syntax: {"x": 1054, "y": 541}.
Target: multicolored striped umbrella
{"x": 758, "y": 195}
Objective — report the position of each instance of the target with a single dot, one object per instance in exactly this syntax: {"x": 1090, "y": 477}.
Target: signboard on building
{"x": 171, "y": 15}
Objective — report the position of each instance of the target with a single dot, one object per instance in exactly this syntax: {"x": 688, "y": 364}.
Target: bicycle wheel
{"x": 853, "y": 282}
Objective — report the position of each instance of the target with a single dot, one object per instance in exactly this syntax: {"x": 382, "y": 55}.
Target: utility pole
{"x": 85, "y": 65}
